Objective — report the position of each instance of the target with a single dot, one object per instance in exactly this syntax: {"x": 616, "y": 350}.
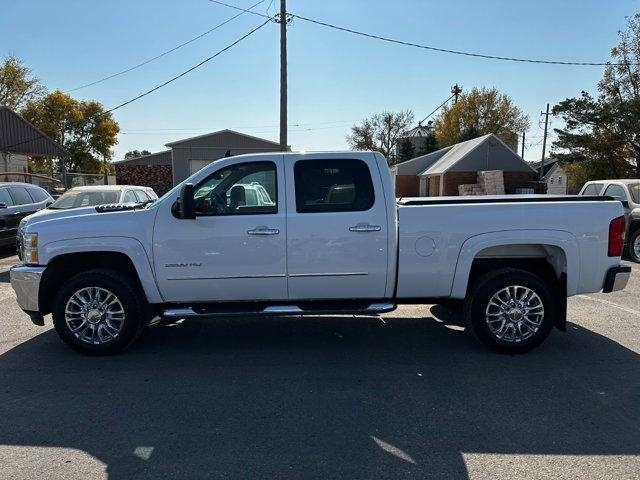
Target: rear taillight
{"x": 616, "y": 236}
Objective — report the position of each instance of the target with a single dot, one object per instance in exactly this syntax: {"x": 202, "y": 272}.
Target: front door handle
{"x": 17, "y": 213}
{"x": 263, "y": 231}
{"x": 365, "y": 227}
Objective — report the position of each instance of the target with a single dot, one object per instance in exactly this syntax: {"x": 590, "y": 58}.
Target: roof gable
{"x": 224, "y": 139}
{"x": 19, "y": 136}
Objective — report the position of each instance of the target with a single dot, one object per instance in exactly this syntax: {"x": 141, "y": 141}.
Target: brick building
{"x": 442, "y": 173}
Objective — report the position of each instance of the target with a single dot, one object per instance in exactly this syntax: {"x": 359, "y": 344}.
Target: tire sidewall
{"x": 120, "y": 286}
{"x": 633, "y": 238}
{"x": 489, "y": 285}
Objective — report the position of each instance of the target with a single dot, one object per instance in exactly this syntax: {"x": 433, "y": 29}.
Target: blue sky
{"x": 335, "y": 79}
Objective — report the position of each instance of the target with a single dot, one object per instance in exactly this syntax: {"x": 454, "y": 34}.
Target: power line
{"x": 438, "y": 108}
{"x": 446, "y": 50}
{"x": 109, "y": 77}
{"x": 173, "y": 79}
{"x": 244, "y": 10}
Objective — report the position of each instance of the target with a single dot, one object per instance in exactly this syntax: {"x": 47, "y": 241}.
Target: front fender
{"x": 565, "y": 241}
{"x": 128, "y": 246}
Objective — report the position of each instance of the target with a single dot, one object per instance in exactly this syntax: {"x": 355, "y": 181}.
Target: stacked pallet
{"x": 492, "y": 181}
{"x": 470, "y": 189}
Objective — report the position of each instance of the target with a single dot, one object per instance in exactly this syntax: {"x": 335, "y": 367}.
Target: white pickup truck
{"x": 315, "y": 233}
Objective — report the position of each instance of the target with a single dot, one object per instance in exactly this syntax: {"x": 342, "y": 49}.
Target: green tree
{"x": 429, "y": 145}
{"x": 82, "y": 127}
{"x": 600, "y": 138}
{"x": 136, "y": 154}
{"x": 479, "y": 112}
{"x": 17, "y": 84}
{"x": 406, "y": 151}
{"x": 381, "y": 133}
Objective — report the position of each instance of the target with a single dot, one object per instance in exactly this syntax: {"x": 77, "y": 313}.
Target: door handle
{"x": 365, "y": 227}
{"x": 263, "y": 231}
{"x": 17, "y": 213}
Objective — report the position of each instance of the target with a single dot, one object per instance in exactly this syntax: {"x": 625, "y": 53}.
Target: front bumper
{"x": 25, "y": 281}
{"x": 616, "y": 279}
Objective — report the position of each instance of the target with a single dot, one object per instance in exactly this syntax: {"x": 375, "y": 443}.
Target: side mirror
{"x": 625, "y": 203}
{"x": 3, "y": 205}
{"x": 187, "y": 207}
{"x": 48, "y": 204}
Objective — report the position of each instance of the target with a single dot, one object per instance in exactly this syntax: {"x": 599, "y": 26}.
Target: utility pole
{"x": 456, "y": 91}
{"x": 522, "y": 155}
{"x": 283, "y": 75}
{"x": 544, "y": 141}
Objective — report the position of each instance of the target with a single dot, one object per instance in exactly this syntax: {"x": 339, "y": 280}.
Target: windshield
{"x": 634, "y": 190}
{"x": 83, "y": 198}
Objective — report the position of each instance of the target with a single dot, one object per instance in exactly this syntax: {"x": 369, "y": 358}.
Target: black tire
{"x": 514, "y": 320}
{"x": 131, "y": 303}
{"x": 635, "y": 236}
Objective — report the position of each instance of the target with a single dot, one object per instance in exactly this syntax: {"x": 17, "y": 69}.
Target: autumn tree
{"x": 18, "y": 85}
{"x": 478, "y": 112}
{"x": 380, "y": 133}
{"x": 84, "y": 128}
{"x": 600, "y": 138}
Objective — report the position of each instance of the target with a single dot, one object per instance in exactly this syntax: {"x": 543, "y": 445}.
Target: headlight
{"x": 30, "y": 248}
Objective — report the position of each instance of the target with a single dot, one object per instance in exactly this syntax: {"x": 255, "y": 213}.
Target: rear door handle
{"x": 263, "y": 231}
{"x": 17, "y": 213}
{"x": 365, "y": 227}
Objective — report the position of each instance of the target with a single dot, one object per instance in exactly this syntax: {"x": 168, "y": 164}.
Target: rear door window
{"x": 38, "y": 194}
{"x": 342, "y": 185}
{"x": 5, "y": 197}
{"x": 20, "y": 195}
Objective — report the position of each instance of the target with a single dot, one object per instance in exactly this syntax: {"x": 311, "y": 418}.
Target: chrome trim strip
{"x": 342, "y": 274}
{"x": 381, "y": 307}
{"x": 25, "y": 281}
{"x": 283, "y": 309}
{"x": 179, "y": 313}
{"x": 229, "y": 277}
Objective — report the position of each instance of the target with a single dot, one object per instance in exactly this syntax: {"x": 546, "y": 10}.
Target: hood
{"x": 49, "y": 214}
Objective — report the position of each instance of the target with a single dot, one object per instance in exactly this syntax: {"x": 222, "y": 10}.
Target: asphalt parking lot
{"x": 408, "y": 396}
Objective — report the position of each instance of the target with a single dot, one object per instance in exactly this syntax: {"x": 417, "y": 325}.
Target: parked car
{"x": 331, "y": 238}
{"x": 628, "y": 192}
{"x": 17, "y": 200}
{"x": 103, "y": 194}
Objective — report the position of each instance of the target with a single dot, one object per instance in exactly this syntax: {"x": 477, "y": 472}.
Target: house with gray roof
{"x": 440, "y": 173}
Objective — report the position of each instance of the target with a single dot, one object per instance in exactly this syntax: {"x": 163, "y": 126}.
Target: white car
{"x": 91, "y": 196}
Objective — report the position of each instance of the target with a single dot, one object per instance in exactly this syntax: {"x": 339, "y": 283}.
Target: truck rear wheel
{"x": 99, "y": 312}
{"x": 634, "y": 246}
{"x": 510, "y": 310}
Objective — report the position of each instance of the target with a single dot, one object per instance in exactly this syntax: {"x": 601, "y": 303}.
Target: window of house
{"x": 333, "y": 186}
{"x": 559, "y": 180}
{"x": 551, "y": 180}
{"x": 241, "y": 189}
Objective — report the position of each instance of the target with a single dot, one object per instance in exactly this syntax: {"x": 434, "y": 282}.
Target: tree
{"x": 136, "y": 154}
{"x": 429, "y": 145}
{"x": 17, "y": 84}
{"x": 600, "y": 138}
{"x": 82, "y": 127}
{"x": 380, "y": 133}
{"x": 479, "y": 112}
{"x": 406, "y": 151}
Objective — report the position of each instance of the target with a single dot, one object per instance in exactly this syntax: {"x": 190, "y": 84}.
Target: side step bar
{"x": 190, "y": 312}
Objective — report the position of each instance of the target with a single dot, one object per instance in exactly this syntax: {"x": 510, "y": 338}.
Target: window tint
{"x": 616, "y": 191}
{"x": 5, "y": 197}
{"x": 38, "y": 194}
{"x": 245, "y": 188}
{"x": 333, "y": 186}
{"x": 129, "y": 197}
{"x": 20, "y": 195}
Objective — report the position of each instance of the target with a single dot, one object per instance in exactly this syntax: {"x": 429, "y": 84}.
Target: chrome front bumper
{"x": 616, "y": 279}
{"x": 25, "y": 281}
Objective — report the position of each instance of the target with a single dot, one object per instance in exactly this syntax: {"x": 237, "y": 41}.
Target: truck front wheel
{"x": 510, "y": 310}
{"x": 99, "y": 312}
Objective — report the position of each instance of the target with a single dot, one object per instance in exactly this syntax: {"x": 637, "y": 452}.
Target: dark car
{"x": 17, "y": 200}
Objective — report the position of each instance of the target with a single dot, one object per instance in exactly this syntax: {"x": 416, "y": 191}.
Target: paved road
{"x": 408, "y": 397}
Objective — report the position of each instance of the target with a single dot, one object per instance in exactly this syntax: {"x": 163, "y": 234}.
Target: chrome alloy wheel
{"x": 94, "y": 315}
{"x": 514, "y": 313}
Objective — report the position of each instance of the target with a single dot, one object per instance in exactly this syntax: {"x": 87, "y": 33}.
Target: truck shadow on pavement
{"x": 319, "y": 398}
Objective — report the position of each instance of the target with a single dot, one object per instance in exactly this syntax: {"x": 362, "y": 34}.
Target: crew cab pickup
{"x": 320, "y": 233}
